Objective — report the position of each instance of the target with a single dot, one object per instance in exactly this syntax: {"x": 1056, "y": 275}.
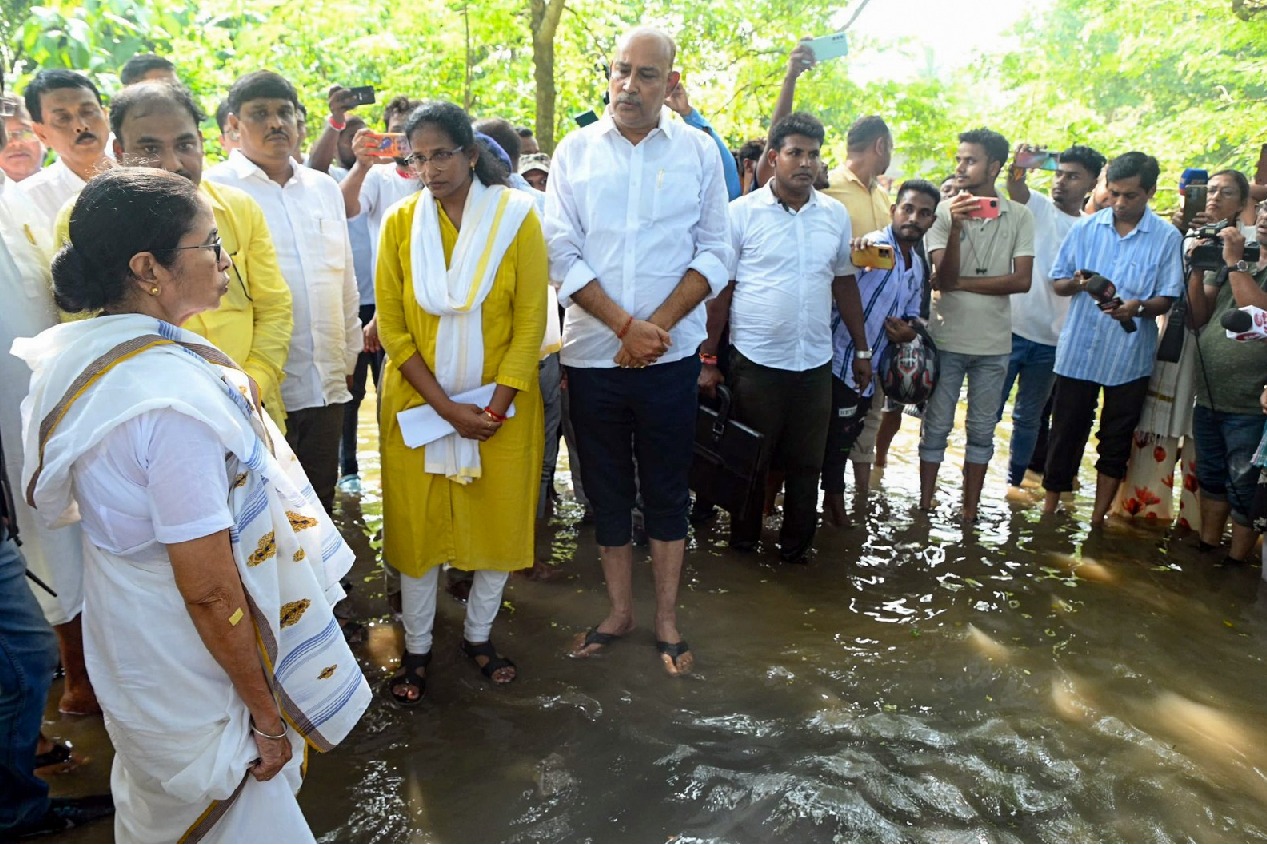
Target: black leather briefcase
{"x": 726, "y": 469}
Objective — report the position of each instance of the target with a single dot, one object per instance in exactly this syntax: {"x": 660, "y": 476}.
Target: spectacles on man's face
{"x": 439, "y": 158}
{"x": 20, "y": 134}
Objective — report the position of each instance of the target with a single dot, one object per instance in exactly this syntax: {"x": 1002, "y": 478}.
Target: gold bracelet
{"x": 259, "y": 732}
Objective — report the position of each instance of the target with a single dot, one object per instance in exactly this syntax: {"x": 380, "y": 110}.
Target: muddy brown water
{"x": 1028, "y": 680}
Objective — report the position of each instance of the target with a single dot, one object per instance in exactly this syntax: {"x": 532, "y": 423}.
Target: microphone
{"x": 1245, "y": 324}
{"x": 1104, "y": 292}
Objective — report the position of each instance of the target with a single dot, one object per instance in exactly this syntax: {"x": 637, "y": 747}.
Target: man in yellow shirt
{"x": 155, "y": 124}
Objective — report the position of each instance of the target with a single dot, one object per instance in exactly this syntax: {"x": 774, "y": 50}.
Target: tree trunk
{"x": 545, "y": 23}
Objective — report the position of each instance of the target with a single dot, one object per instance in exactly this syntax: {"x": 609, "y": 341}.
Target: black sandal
{"x": 407, "y": 676}
{"x": 57, "y": 760}
{"x": 496, "y": 662}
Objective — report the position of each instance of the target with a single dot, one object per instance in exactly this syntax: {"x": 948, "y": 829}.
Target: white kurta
{"x": 55, "y": 555}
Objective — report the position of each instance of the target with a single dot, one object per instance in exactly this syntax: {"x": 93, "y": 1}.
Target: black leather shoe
{"x": 64, "y": 814}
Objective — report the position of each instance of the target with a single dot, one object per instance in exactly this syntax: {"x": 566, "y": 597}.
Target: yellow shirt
{"x": 428, "y": 519}
{"x": 253, "y": 323}
{"x": 868, "y": 207}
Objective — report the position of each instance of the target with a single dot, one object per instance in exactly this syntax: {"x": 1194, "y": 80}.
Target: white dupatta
{"x": 456, "y": 295}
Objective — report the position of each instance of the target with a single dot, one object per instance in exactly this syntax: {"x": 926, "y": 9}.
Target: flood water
{"x": 1025, "y": 680}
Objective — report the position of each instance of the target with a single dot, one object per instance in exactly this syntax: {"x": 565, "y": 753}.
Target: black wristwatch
{"x": 1241, "y": 266}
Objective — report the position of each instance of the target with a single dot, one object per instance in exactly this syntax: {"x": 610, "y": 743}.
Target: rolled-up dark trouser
{"x": 1073, "y": 412}
{"x": 846, "y": 419}
{"x": 791, "y": 409}
{"x": 650, "y": 412}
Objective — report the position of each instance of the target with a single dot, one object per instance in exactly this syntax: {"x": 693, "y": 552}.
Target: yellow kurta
{"x": 427, "y": 519}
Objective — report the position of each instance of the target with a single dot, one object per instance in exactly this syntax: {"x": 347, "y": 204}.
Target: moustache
{"x": 277, "y": 133}
{"x": 85, "y": 138}
{"x": 627, "y": 100}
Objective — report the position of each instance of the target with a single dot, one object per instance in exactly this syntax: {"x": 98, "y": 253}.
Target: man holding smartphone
{"x": 1038, "y": 315}
{"x": 1141, "y": 255}
{"x": 791, "y": 260}
{"x": 983, "y": 248}
{"x": 891, "y": 298}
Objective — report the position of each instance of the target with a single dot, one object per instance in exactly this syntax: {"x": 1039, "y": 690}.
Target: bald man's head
{"x": 665, "y": 44}
{"x": 642, "y": 76}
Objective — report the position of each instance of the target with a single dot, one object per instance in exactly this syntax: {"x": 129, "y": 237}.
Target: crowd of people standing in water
{"x": 189, "y": 348}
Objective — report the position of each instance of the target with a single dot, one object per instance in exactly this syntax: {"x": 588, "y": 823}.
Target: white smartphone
{"x": 829, "y": 46}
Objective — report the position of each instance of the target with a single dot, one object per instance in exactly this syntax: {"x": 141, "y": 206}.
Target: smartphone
{"x": 388, "y": 144}
{"x": 1194, "y": 197}
{"x": 1036, "y": 160}
{"x": 585, "y": 118}
{"x": 874, "y": 257}
{"x": 987, "y": 209}
{"x": 362, "y": 95}
{"x": 832, "y": 46}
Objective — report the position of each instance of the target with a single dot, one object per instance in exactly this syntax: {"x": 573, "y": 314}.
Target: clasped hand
{"x": 470, "y": 421}
{"x": 642, "y": 345}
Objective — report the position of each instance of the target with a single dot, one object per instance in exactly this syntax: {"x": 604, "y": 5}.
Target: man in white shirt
{"x": 638, "y": 233}
{"x": 791, "y": 250}
{"x": 66, "y": 112}
{"x": 1038, "y": 315}
{"x": 306, "y": 219}
{"x": 51, "y": 554}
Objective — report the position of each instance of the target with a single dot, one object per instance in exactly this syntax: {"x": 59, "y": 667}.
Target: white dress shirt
{"x": 783, "y": 266}
{"x": 309, "y": 227}
{"x": 50, "y": 188}
{"x": 635, "y": 218}
{"x": 52, "y": 554}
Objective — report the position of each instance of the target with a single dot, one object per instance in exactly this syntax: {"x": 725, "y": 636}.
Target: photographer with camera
{"x": 1228, "y": 420}
{"x": 1135, "y": 254}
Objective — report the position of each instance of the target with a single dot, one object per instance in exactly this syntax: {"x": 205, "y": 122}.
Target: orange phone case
{"x": 987, "y": 209}
{"x": 389, "y": 145}
{"x": 875, "y": 257}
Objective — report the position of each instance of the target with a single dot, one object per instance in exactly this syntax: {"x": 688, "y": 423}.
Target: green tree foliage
{"x": 1181, "y": 81}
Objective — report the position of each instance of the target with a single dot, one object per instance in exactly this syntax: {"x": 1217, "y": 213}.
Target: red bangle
{"x": 337, "y": 127}
{"x": 620, "y": 335}
{"x": 494, "y": 416}
{"x": 711, "y": 360}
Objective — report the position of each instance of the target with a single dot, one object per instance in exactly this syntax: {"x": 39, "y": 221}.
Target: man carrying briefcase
{"x": 791, "y": 258}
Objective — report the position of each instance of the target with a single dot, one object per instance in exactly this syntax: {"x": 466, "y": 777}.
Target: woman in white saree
{"x": 211, "y": 569}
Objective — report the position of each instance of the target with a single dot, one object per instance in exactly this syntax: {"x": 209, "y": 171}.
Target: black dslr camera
{"x": 1208, "y": 253}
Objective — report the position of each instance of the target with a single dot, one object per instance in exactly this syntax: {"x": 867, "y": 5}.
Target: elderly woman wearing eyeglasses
{"x": 210, "y": 568}
{"x": 461, "y": 288}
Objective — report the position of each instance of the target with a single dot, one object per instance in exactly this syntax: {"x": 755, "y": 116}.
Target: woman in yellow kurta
{"x": 461, "y": 288}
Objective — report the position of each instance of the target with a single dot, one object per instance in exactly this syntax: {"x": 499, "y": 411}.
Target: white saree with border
{"x": 181, "y": 734}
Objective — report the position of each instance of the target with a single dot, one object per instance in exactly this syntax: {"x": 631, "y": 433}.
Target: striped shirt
{"x": 1145, "y": 263}
{"x": 885, "y": 293}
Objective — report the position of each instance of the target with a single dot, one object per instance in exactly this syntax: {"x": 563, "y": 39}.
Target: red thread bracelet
{"x": 620, "y": 335}
{"x": 711, "y": 360}
{"x": 494, "y": 416}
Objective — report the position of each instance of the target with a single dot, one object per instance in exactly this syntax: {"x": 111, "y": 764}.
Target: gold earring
{"x": 154, "y": 291}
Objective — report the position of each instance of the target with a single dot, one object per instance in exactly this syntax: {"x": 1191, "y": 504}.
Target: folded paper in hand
{"x": 422, "y": 425}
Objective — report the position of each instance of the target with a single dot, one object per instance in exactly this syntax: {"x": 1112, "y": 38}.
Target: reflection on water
{"x": 1023, "y": 681}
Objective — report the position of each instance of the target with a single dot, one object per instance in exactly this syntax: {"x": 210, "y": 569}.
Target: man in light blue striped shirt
{"x": 1140, "y": 253}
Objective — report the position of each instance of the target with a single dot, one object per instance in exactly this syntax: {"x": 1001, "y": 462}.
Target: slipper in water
{"x": 58, "y": 760}
{"x": 408, "y": 678}
{"x": 493, "y": 662}
{"x": 675, "y": 651}
{"x": 593, "y": 637}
